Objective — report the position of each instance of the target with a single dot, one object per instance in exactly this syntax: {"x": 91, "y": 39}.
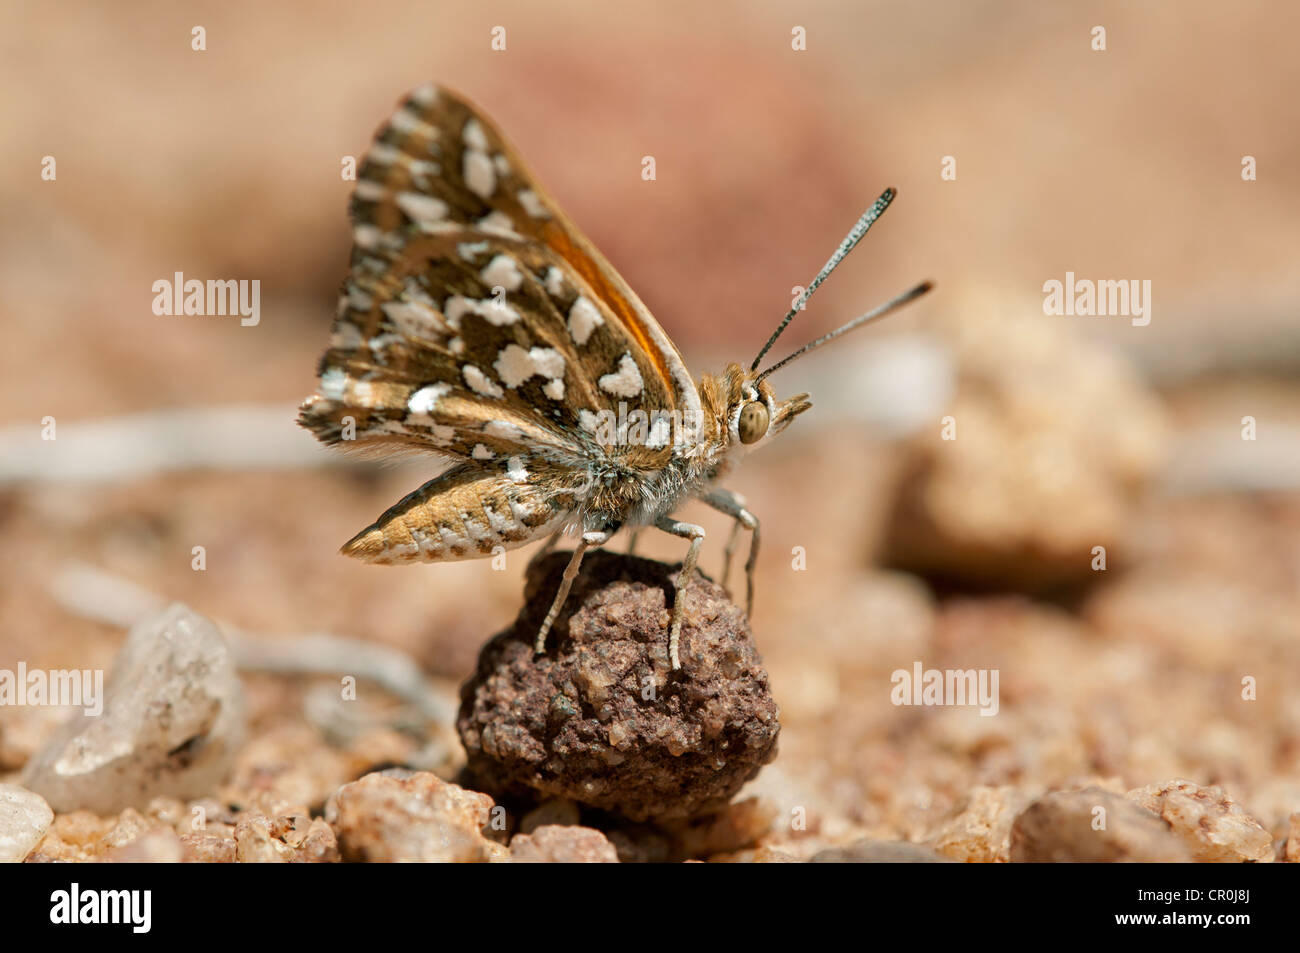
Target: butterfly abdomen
{"x": 466, "y": 513}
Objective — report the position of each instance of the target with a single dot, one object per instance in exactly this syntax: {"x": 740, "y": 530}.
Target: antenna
{"x": 852, "y": 238}
{"x": 884, "y": 309}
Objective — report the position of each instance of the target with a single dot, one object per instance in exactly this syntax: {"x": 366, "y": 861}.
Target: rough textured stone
{"x": 157, "y": 846}
{"x": 1291, "y": 845}
{"x": 554, "y": 811}
{"x": 76, "y": 836}
{"x": 394, "y": 816}
{"x": 1048, "y": 460}
{"x": 735, "y": 827}
{"x": 980, "y": 832}
{"x": 130, "y": 825}
{"x": 173, "y": 719}
{"x": 288, "y": 839}
{"x": 758, "y": 855}
{"x": 208, "y": 847}
{"x": 880, "y": 852}
{"x": 601, "y": 719}
{"x": 1062, "y": 828}
{"x": 553, "y": 844}
{"x": 1211, "y": 824}
{"x": 24, "y": 819}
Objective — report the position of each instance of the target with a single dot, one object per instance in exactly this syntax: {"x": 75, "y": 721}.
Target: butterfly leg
{"x": 733, "y": 504}
{"x": 728, "y": 553}
{"x": 570, "y": 573}
{"x": 696, "y": 535}
{"x": 632, "y": 540}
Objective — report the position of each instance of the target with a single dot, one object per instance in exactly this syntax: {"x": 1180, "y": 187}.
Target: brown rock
{"x": 396, "y": 816}
{"x": 601, "y": 719}
{"x": 553, "y": 844}
{"x": 1066, "y": 827}
{"x": 1211, "y": 824}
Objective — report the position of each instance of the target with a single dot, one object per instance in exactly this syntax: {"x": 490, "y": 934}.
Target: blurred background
{"x": 1072, "y": 432}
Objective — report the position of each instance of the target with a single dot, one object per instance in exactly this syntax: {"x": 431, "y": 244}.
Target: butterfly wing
{"x": 476, "y": 321}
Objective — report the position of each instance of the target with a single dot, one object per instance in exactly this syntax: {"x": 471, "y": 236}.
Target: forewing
{"x": 476, "y": 321}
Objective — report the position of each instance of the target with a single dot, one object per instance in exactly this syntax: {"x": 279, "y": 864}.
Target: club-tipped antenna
{"x": 852, "y": 238}
{"x": 884, "y": 309}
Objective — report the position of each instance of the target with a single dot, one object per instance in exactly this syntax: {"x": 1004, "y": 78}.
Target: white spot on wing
{"x": 358, "y": 299}
{"x": 500, "y": 523}
{"x": 363, "y": 394}
{"x": 583, "y": 320}
{"x": 504, "y": 271}
{"x": 384, "y": 154}
{"x": 415, "y": 319}
{"x": 346, "y": 336}
{"x": 516, "y": 471}
{"x": 367, "y": 236}
{"x": 332, "y": 383}
{"x": 426, "y": 398}
{"x": 425, "y": 95}
{"x": 491, "y": 310}
{"x": 503, "y": 429}
{"x": 660, "y": 432}
{"x": 555, "y": 282}
{"x": 624, "y": 382}
{"x": 422, "y": 209}
{"x": 514, "y": 365}
{"x": 554, "y": 389}
{"x": 532, "y": 204}
{"x": 480, "y": 177}
{"x": 474, "y": 136}
{"x": 406, "y": 121}
{"x": 499, "y": 223}
{"x": 471, "y": 250}
{"x": 370, "y": 191}
{"x": 480, "y": 383}
{"x": 481, "y": 452}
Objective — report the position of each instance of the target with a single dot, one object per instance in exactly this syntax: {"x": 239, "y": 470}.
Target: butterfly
{"x": 477, "y": 323}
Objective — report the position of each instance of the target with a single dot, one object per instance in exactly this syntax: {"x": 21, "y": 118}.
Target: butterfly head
{"x": 748, "y": 409}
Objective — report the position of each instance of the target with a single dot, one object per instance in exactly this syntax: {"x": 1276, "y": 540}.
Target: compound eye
{"x": 753, "y": 423}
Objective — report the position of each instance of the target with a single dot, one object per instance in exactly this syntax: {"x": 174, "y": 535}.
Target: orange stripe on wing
{"x": 560, "y": 240}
